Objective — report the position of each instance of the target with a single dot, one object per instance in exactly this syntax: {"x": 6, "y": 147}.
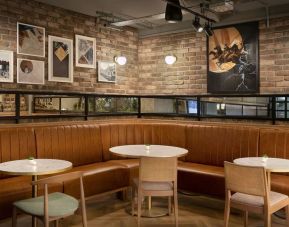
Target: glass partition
{"x": 158, "y": 105}
{"x": 112, "y": 105}
{"x": 7, "y": 104}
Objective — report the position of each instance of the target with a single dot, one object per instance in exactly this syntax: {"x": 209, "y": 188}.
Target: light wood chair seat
{"x": 257, "y": 201}
{"x": 154, "y": 186}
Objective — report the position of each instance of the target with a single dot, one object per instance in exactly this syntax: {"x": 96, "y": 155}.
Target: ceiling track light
{"x": 197, "y": 26}
{"x": 174, "y": 3}
{"x": 173, "y": 13}
{"x": 208, "y": 29}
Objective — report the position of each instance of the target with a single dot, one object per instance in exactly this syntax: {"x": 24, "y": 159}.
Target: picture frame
{"x": 60, "y": 59}
{"x": 85, "y": 51}
{"x": 30, "y": 71}
{"x": 106, "y": 72}
{"x": 6, "y": 66}
{"x": 233, "y": 59}
{"x": 30, "y": 40}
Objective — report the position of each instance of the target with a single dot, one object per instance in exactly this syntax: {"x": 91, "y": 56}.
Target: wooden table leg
{"x": 34, "y": 194}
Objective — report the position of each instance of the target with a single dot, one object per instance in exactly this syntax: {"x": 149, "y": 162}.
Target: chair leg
{"x": 287, "y": 215}
{"x": 176, "y": 209}
{"x": 14, "y": 217}
{"x": 170, "y": 205}
{"x": 245, "y": 218}
{"x": 132, "y": 201}
{"x": 227, "y": 212}
{"x": 267, "y": 219}
{"x": 139, "y": 203}
{"x": 56, "y": 223}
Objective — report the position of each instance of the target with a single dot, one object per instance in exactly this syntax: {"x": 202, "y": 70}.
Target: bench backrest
{"x": 212, "y": 144}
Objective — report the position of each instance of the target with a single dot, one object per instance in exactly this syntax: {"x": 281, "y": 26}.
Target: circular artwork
{"x": 26, "y": 66}
{"x": 225, "y": 47}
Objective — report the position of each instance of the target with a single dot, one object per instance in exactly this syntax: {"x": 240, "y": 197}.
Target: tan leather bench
{"x": 86, "y": 145}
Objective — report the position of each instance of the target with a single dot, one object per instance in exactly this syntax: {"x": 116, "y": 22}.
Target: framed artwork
{"x": 106, "y": 72}
{"x": 85, "y": 55}
{"x": 6, "y": 66}
{"x": 233, "y": 59}
{"x": 60, "y": 59}
{"x": 30, "y": 71}
{"x": 30, "y": 40}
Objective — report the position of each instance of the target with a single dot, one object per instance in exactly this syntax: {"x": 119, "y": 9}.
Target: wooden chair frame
{"x": 261, "y": 188}
{"x": 50, "y": 180}
{"x": 146, "y": 175}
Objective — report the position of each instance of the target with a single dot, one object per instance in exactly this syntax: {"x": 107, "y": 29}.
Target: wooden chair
{"x": 54, "y": 206}
{"x": 252, "y": 193}
{"x": 157, "y": 177}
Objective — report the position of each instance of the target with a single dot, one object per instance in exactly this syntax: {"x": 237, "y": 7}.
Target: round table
{"x": 152, "y": 151}
{"x": 34, "y": 168}
{"x": 279, "y": 165}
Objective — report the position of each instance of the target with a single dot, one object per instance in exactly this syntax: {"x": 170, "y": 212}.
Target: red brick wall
{"x": 64, "y": 23}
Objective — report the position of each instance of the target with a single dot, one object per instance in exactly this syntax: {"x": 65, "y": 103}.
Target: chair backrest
{"x": 246, "y": 179}
{"x": 158, "y": 169}
{"x": 59, "y": 178}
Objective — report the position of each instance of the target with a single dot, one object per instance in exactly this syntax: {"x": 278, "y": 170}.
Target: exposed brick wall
{"x": 186, "y": 76}
{"x": 64, "y": 23}
{"x": 189, "y": 74}
{"x": 274, "y": 56}
{"x": 146, "y": 72}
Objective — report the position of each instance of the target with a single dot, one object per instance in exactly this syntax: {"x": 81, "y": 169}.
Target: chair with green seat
{"x": 54, "y": 206}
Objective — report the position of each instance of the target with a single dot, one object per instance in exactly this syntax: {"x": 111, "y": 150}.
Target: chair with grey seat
{"x": 54, "y": 206}
{"x": 251, "y": 193}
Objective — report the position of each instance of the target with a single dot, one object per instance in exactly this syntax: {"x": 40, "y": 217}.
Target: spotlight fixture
{"x": 197, "y": 26}
{"x": 170, "y": 59}
{"x": 173, "y": 12}
{"x": 121, "y": 60}
{"x": 208, "y": 29}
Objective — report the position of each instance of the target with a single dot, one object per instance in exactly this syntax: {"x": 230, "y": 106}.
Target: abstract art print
{"x": 233, "y": 59}
{"x": 60, "y": 59}
{"x": 106, "y": 71}
{"x": 85, "y": 55}
{"x": 30, "y": 40}
{"x": 30, "y": 71}
{"x": 6, "y": 66}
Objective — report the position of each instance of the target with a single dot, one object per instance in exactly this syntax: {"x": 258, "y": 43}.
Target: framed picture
{"x": 233, "y": 59}
{"x": 60, "y": 59}
{"x": 106, "y": 72}
{"x": 6, "y": 66}
{"x": 30, "y": 71}
{"x": 30, "y": 40}
{"x": 85, "y": 55}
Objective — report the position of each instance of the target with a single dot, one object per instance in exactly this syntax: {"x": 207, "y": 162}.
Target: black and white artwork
{"x": 233, "y": 61}
{"x": 106, "y": 72}
{"x": 85, "y": 52}
{"x": 60, "y": 59}
{"x": 30, "y": 40}
{"x": 6, "y": 66}
{"x": 30, "y": 71}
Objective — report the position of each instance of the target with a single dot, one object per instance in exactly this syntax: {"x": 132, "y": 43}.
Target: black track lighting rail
{"x": 190, "y": 11}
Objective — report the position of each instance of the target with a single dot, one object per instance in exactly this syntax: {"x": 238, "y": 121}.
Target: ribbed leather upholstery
{"x": 274, "y": 143}
{"x": 79, "y": 144}
{"x": 212, "y": 144}
{"x": 16, "y": 143}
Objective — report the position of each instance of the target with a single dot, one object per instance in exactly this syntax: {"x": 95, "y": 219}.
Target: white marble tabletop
{"x": 270, "y": 164}
{"x": 34, "y": 167}
{"x": 141, "y": 150}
